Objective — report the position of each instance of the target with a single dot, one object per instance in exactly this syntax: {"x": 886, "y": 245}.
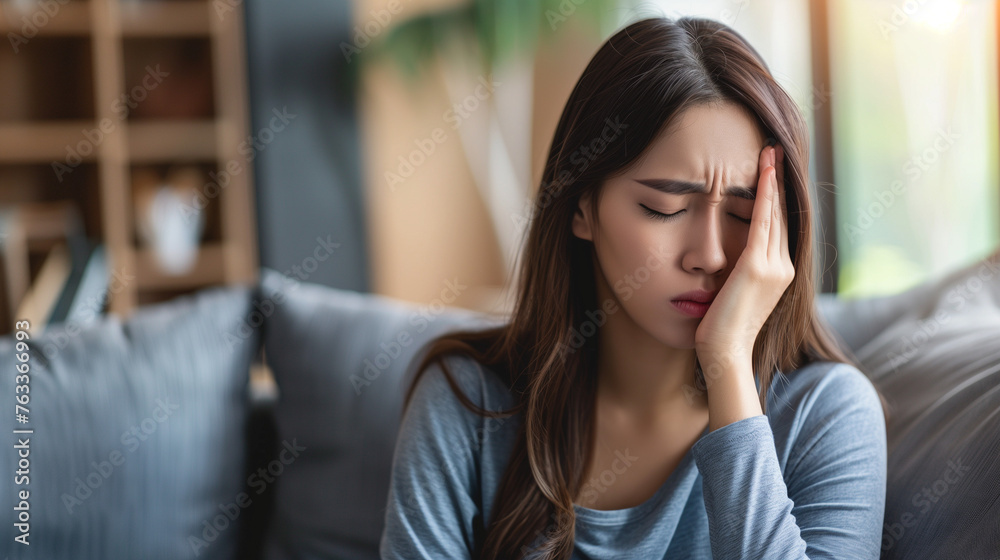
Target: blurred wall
{"x": 432, "y": 230}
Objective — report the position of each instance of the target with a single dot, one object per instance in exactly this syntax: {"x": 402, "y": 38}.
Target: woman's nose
{"x": 705, "y": 251}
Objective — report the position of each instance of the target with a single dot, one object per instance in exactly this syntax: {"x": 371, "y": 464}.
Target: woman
{"x": 635, "y": 405}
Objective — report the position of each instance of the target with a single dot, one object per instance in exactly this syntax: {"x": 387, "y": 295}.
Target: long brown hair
{"x": 638, "y": 82}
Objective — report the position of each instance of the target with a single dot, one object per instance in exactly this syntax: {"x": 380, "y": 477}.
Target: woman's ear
{"x": 581, "y": 219}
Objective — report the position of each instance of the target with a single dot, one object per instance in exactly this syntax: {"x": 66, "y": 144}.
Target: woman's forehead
{"x": 706, "y": 140}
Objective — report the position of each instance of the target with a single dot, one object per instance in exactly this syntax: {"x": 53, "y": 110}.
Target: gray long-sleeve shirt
{"x": 806, "y": 480}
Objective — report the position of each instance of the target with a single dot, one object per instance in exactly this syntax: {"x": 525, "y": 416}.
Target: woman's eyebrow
{"x": 673, "y": 186}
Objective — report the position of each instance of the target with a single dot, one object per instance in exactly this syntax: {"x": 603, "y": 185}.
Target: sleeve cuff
{"x": 738, "y": 437}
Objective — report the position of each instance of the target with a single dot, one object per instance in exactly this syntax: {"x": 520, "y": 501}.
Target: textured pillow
{"x": 340, "y": 360}
{"x": 934, "y": 352}
{"x": 138, "y": 433}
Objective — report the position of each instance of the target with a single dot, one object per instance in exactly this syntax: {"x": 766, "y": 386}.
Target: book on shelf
{"x": 37, "y": 304}
{"x": 82, "y": 298}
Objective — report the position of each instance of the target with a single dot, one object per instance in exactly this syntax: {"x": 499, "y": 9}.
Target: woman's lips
{"x": 691, "y": 308}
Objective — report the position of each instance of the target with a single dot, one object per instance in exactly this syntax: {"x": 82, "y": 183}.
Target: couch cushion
{"x": 340, "y": 359}
{"x": 138, "y": 432}
{"x": 934, "y": 352}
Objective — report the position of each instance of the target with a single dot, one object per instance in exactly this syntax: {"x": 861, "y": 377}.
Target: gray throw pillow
{"x": 341, "y": 361}
{"x": 138, "y": 445}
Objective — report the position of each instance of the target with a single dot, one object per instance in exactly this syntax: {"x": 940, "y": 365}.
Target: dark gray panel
{"x": 308, "y": 177}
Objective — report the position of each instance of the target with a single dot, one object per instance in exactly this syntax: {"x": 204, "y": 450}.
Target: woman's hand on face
{"x": 763, "y": 272}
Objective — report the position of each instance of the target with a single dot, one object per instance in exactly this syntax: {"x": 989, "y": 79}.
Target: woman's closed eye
{"x": 666, "y": 217}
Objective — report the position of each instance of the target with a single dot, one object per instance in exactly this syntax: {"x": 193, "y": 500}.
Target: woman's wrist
{"x": 731, "y": 389}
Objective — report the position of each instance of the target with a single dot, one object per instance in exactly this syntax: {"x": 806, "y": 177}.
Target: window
{"x": 914, "y": 102}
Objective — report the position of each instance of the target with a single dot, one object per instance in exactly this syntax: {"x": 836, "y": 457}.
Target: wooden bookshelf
{"x": 105, "y": 90}
{"x": 72, "y": 18}
{"x": 40, "y": 141}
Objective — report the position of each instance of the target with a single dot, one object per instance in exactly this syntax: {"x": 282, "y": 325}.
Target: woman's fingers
{"x": 762, "y": 207}
{"x": 776, "y": 234}
{"x": 780, "y": 157}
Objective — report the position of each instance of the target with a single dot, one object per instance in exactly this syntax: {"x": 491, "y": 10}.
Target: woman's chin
{"x": 680, "y": 336}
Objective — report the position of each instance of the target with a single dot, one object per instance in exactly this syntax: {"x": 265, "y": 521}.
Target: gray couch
{"x": 147, "y": 443}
